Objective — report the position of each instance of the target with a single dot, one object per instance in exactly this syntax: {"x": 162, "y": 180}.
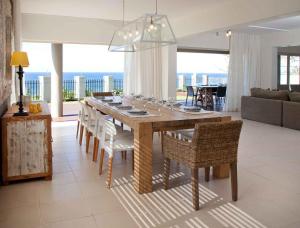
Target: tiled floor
{"x": 269, "y": 189}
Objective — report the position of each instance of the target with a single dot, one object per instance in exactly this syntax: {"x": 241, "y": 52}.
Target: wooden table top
{"x": 15, "y": 108}
{"x": 164, "y": 117}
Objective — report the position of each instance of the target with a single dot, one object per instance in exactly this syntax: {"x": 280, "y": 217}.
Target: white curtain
{"x": 244, "y": 68}
{"x": 143, "y": 73}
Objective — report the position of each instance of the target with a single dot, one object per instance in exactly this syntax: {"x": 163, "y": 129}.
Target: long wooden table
{"x": 144, "y": 127}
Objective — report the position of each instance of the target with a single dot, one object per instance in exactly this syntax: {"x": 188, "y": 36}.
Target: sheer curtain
{"x": 143, "y": 73}
{"x": 244, "y": 68}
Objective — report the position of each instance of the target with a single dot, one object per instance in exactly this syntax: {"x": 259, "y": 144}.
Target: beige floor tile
{"x": 20, "y": 217}
{"x": 115, "y": 219}
{"x": 63, "y": 178}
{"x": 104, "y": 203}
{"x": 86, "y": 222}
{"x": 64, "y": 210}
{"x": 51, "y": 193}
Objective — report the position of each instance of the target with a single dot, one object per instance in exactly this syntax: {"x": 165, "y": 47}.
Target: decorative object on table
{"x": 20, "y": 60}
{"x": 146, "y": 32}
{"x": 35, "y": 108}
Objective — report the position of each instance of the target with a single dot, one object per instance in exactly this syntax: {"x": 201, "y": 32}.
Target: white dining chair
{"x": 83, "y": 118}
{"x": 112, "y": 142}
{"x": 91, "y": 126}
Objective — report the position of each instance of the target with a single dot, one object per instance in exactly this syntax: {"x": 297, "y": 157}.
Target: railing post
{"x": 180, "y": 81}
{"x": 45, "y": 88}
{"x": 79, "y": 87}
{"x": 108, "y": 83}
{"x": 194, "y": 79}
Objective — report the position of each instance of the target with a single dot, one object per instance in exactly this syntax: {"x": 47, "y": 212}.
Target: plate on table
{"x": 138, "y": 112}
{"x": 192, "y": 109}
{"x": 124, "y": 107}
{"x": 114, "y": 103}
{"x": 176, "y": 105}
{"x": 108, "y": 100}
{"x": 100, "y": 97}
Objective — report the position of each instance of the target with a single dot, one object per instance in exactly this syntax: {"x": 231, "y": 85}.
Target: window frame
{"x": 285, "y": 86}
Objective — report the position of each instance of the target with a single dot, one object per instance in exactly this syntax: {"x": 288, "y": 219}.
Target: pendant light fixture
{"x": 146, "y": 32}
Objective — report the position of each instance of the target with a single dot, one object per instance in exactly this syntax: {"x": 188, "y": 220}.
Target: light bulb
{"x": 151, "y": 26}
{"x": 163, "y": 25}
{"x": 136, "y": 32}
{"x": 130, "y": 34}
{"x": 125, "y": 37}
{"x": 155, "y": 28}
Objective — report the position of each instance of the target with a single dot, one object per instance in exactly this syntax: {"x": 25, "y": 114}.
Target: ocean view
{"x": 214, "y": 78}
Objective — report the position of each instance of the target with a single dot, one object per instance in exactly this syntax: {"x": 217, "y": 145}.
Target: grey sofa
{"x": 276, "y": 112}
{"x": 262, "y": 110}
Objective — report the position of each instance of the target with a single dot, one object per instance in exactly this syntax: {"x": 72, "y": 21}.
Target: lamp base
{"x": 21, "y": 114}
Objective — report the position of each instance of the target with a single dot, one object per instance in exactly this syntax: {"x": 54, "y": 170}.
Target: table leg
{"x": 221, "y": 171}
{"x": 143, "y": 140}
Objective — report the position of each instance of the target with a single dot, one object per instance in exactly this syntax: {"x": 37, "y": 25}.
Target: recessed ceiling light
{"x": 267, "y": 28}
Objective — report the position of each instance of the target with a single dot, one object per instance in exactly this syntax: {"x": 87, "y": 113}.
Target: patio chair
{"x": 190, "y": 92}
{"x": 221, "y": 93}
{"x": 112, "y": 142}
{"x": 213, "y": 144}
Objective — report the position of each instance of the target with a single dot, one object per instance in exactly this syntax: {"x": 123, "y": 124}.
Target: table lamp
{"x": 19, "y": 59}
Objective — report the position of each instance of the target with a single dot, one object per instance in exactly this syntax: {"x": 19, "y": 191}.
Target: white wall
{"x": 270, "y": 43}
{"x": 60, "y": 29}
{"x": 209, "y": 40}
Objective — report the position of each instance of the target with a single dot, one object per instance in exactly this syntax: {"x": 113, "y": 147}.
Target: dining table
{"x": 159, "y": 118}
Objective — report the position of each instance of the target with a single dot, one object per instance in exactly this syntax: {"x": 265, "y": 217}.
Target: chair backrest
{"x": 84, "y": 111}
{"x": 216, "y": 143}
{"x": 102, "y": 94}
{"x": 100, "y": 125}
{"x": 221, "y": 91}
{"x": 108, "y": 133}
{"x": 190, "y": 90}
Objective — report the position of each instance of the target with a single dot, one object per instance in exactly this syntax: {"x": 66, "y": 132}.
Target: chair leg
{"x": 88, "y": 137}
{"x": 95, "y": 150}
{"x": 166, "y": 173}
{"x": 109, "y": 175}
{"x": 207, "y": 170}
{"x": 101, "y": 161}
{"x": 195, "y": 188}
{"x": 234, "y": 181}
{"x": 132, "y": 160}
{"x": 122, "y": 126}
{"x": 81, "y": 134}
{"x": 78, "y": 123}
{"x": 186, "y": 99}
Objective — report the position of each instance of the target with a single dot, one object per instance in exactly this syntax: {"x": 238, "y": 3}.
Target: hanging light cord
{"x": 123, "y": 12}
{"x": 155, "y": 6}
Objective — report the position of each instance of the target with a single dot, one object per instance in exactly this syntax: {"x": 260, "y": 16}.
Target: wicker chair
{"x": 213, "y": 144}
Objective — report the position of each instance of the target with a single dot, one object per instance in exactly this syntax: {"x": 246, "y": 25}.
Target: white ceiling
{"x": 283, "y": 24}
{"x": 112, "y": 9}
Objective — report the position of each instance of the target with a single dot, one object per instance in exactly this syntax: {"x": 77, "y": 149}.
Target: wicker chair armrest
{"x": 177, "y": 149}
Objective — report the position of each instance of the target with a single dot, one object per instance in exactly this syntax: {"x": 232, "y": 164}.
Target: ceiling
{"x": 283, "y": 24}
{"x": 112, "y": 9}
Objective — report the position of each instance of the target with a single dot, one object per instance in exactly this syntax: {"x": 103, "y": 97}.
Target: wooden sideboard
{"x": 26, "y": 145}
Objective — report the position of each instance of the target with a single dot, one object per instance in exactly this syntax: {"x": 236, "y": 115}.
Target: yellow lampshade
{"x": 19, "y": 58}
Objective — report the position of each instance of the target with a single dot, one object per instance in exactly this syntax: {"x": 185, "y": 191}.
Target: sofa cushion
{"x": 295, "y": 96}
{"x": 270, "y": 94}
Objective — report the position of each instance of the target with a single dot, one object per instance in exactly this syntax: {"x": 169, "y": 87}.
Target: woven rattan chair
{"x": 213, "y": 144}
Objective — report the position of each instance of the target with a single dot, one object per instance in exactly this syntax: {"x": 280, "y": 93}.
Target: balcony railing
{"x": 33, "y": 88}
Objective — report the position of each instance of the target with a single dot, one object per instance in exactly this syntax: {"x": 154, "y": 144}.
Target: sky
{"x": 96, "y": 58}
